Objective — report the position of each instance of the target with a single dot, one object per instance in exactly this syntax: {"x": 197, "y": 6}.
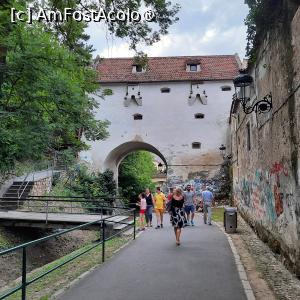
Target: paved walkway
{"x": 154, "y": 268}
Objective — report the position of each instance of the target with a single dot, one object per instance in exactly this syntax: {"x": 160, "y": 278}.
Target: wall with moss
{"x": 266, "y": 177}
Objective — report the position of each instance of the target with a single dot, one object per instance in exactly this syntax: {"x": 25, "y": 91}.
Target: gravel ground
{"x": 266, "y": 265}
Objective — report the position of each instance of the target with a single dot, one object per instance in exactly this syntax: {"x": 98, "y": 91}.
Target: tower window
{"x": 138, "y": 117}
{"x": 196, "y": 145}
{"x": 165, "y": 90}
{"x": 193, "y": 68}
{"x": 138, "y": 69}
{"x": 226, "y": 88}
{"x": 199, "y": 116}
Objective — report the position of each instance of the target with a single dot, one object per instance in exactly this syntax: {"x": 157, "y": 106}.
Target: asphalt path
{"x": 153, "y": 268}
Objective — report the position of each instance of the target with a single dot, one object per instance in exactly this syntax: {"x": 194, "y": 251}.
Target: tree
{"x": 45, "y": 102}
{"x": 135, "y": 174}
{"x": 46, "y": 78}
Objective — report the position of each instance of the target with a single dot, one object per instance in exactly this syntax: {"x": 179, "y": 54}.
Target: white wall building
{"x": 177, "y": 108}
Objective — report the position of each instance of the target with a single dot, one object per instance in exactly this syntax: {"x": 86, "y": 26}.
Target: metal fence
{"x": 61, "y": 204}
{"x": 103, "y": 222}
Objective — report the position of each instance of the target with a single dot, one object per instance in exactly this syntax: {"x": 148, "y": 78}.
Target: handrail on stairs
{"x": 21, "y": 185}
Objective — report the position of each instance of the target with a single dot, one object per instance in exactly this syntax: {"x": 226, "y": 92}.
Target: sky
{"x": 205, "y": 27}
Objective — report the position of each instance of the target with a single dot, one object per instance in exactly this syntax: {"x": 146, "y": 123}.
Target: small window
{"x": 226, "y": 88}
{"x": 193, "y": 68}
{"x": 138, "y": 69}
{"x": 196, "y": 145}
{"x": 138, "y": 117}
{"x": 165, "y": 90}
{"x": 199, "y": 116}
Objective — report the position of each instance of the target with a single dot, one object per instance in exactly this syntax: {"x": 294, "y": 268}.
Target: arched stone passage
{"x": 115, "y": 157}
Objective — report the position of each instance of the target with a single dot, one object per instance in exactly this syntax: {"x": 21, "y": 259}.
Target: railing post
{"x": 103, "y": 240}
{"x": 134, "y": 224}
{"x": 47, "y": 208}
{"x": 24, "y": 274}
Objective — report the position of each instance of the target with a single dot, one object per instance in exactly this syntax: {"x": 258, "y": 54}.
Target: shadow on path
{"x": 153, "y": 267}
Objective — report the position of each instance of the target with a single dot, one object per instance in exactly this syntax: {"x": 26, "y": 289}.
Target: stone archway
{"x": 115, "y": 157}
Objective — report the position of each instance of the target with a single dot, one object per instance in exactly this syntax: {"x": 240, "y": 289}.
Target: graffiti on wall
{"x": 268, "y": 194}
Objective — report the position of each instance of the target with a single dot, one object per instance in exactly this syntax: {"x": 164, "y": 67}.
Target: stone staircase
{"x": 18, "y": 188}
{"x": 120, "y": 227}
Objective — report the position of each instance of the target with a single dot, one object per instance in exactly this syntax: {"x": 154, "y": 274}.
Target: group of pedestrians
{"x": 180, "y": 204}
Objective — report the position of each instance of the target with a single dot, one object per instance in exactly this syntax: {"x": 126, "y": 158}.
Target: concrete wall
{"x": 266, "y": 177}
{"x": 168, "y": 128}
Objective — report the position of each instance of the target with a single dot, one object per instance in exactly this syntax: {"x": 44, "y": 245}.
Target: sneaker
{"x": 192, "y": 222}
{"x": 157, "y": 227}
{"x": 161, "y": 226}
{"x": 188, "y": 224}
{"x": 209, "y": 224}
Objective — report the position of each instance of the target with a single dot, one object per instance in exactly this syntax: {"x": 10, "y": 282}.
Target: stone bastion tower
{"x": 177, "y": 108}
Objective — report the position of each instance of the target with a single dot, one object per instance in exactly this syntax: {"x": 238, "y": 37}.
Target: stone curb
{"x": 240, "y": 267}
{"x": 85, "y": 274}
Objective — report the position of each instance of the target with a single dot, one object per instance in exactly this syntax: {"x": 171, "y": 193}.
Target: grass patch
{"x": 4, "y": 240}
{"x": 45, "y": 287}
{"x": 218, "y": 214}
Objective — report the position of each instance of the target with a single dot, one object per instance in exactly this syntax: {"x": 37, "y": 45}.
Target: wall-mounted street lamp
{"x": 222, "y": 149}
{"x": 242, "y": 84}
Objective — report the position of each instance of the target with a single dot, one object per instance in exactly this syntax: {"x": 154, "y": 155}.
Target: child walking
{"x": 143, "y": 205}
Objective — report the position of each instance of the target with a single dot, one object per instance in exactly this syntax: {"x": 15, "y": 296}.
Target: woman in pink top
{"x": 143, "y": 205}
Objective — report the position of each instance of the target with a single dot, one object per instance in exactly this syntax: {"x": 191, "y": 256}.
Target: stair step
{"x": 29, "y": 187}
{"x": 18, "y": 183}
{"x": 116, "y": 219}
{"x": 119, "y": 226}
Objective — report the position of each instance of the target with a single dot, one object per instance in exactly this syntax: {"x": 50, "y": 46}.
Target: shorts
{"x": 142, "y": 211}
{"x": 159, "y": 210}
{"x": 189, "y": 209}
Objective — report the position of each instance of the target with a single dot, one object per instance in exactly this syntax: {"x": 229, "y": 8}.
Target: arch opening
{"x": 115, "y": 157}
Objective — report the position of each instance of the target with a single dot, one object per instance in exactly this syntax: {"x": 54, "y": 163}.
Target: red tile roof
{"x": 215, "y": 67}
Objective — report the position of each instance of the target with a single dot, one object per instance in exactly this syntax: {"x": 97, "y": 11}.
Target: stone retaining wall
{"x": 266, "y": 147}
{"x": 41, "y": 187}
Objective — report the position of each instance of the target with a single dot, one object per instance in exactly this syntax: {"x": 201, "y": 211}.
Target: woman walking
{"x": 149, "y": 208}
{"x": 177, "y": 214}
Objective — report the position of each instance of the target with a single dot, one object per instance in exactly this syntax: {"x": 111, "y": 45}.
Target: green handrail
{"x": 24, "y": 246}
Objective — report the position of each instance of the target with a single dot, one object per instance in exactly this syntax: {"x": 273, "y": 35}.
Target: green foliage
{"x": 263, "y": 15}
{"x": 99, "y": 186}
{"x": 135, "y": 174}
{"x": 46, "y": 78}
{"x": 44, "y": 105}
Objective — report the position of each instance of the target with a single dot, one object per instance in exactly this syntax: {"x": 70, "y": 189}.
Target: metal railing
{"x": 102, "y": 226}
{"x": 62, "y": 205}
{"x": 23, "y": 186}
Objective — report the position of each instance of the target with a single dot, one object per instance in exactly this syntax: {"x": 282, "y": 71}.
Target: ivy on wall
{"x": 263, "y": 15}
